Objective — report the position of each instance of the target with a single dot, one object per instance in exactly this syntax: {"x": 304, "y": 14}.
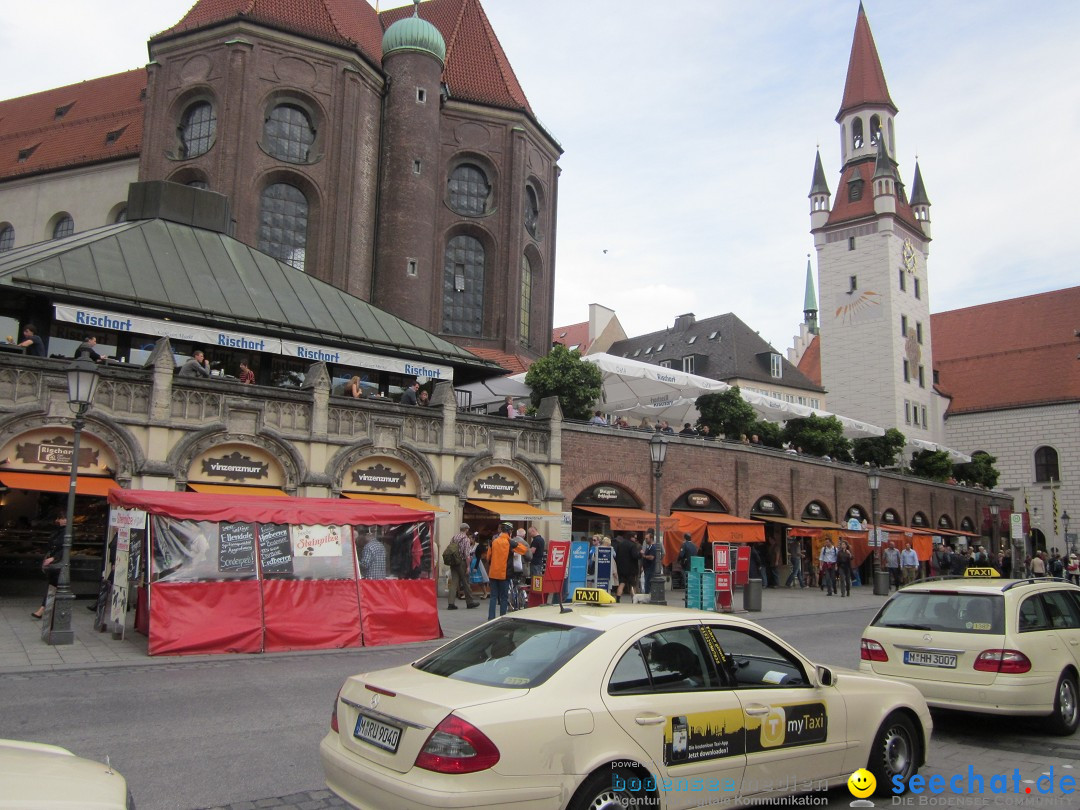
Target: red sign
{"x": 558, "y": 557}
{"x": 742, "y": 566}
{"x": 723, "y": 589}
{"x": 720, "y": 557}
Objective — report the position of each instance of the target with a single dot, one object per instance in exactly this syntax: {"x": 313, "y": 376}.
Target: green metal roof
{"x": 414, "y": 34}
{"x": 158, "y": 268}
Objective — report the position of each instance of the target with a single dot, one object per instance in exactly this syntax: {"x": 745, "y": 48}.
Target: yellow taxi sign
{"x": 596, "y": 596}
{"x": 986, "y": 573}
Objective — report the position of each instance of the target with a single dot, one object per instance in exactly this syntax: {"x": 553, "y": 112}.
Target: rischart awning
{"x": 47, "y": 482}
{"x": 513, "y": 510}
{"x": 236, "y": 489}
{"x": 408, "y": 501}
{"x": 802, "y": 524}
{"x": 632, "y": 520}
{"x": 724, "y": 528}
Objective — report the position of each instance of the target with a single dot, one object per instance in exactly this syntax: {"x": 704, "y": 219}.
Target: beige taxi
{"x": 614, "y": 706}
{"x": 48, "y": 777}
{"x": 989, "y": 645}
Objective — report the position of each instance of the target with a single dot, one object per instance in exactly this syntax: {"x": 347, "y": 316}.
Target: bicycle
{"x": 519, "y": 594}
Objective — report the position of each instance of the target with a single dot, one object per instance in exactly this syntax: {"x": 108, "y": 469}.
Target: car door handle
{"x": 756, "y": 710}
{"x": 650, "y": 719}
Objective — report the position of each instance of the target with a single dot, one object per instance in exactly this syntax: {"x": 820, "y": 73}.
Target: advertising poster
{"x": 119, "y": 591}
{"x": 720, "y": 554}
{"x": 275, "y": 550}
{"x": 557, "y": 563}
{"x": 723, "y": 590}
{"x": 579, "y": 565}
{"x": 603, "y": 567}
{"x": 317, "y": 541}
{"x": 236, "y": 548}
{"x": 704, "y": 735}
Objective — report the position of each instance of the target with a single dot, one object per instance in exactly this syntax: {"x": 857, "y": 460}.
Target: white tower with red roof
{"x": 872, "y": 243}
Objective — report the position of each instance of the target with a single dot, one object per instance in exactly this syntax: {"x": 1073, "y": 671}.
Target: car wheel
{"x": 1066, "y": 716}
{"x": 895, "y": 753}
{"x": 615, "y": 789}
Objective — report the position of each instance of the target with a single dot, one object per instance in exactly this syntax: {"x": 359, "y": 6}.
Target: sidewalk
{"x": 22, "y": 650}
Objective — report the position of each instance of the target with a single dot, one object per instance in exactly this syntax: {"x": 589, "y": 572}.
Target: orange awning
{"x": 802, "y": 524}
{"x": 725, "y": 528}
{"x": 631, "y": 520}
{"x": 236, "y": 489}
{"x": 513, "y": 510}
{"x": 408, "y": 501}
{"x": 49, "y": 482}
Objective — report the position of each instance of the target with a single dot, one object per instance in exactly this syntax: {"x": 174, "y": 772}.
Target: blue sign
{"x": 578, "y": 570}
{"x": 603, "y": 566}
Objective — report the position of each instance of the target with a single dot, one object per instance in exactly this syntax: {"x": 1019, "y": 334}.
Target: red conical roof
{"x": 865, "y": 85}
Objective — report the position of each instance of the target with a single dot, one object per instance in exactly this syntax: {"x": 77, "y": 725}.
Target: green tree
{"x": 726, "y": 414}
{"x": 818, "y": 436}
{"x": 563, "y": 374}
{"x": 980, "y": 471}
{"x": 771, "y": 434}
{"x": 933, "y": 464}
{"x": 884, "y": 451}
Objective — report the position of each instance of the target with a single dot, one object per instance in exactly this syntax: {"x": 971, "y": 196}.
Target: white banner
{"x": 308, "y": 351}
{"x": 318, "y": 541}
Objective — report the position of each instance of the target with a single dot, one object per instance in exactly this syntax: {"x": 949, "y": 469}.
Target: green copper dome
{"x": 414, "y": 34}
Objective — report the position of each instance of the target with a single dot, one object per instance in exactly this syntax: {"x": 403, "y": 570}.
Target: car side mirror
{"x": 825, "y": 676}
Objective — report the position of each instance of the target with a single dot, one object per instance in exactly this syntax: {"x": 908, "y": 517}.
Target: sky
{"x": 689, "y": 130}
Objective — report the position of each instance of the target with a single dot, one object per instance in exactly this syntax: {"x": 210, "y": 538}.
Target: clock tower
{"x": 872, "y": 244}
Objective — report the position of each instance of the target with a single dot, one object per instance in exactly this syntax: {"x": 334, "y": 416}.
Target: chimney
{"x": 683, "y": 322}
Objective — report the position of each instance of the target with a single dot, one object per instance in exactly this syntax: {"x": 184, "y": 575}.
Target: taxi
{"x": 983, "y": 644}
{"x": 602, "y": 705}
{"x": 52, "y": 778}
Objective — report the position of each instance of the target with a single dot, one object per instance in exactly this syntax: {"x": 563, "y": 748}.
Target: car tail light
{"x": 456, "y": 746}
{"x": 1007, "y": 662}
{"x": 333, "y": 713}
{"x": 870, "y": 650}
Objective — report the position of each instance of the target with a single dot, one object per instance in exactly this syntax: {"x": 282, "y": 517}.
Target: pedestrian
{"x": 1038, "y": 564}
{"x": 795, "y": 558}
{"x": 373, "y": 558}
{"x": 456, "y": 557}
{"x": 628, "y": 564}
{"x": 538, "y": 552}
{"x": 649, "y": 551}
{"x": 686, "y": 553}
{"x": 827, "y": 563}
{"x": 50, "y": 566}
{"x": 844, "y": 560}
{"x": 757, "y": 567}
{"x": 478, "y": 573}
{"x": 909, "y": 564}
{"x": 890, "y": 558}
{"x": 501, "y": 568}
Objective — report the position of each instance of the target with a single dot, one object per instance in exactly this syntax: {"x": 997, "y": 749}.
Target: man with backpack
{"x": 456, "y": 558}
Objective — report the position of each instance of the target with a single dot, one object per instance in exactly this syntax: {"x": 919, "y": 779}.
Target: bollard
{"x": 751, "y": 596}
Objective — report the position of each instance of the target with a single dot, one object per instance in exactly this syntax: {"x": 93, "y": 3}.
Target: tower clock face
{"x": 908, "y": 256}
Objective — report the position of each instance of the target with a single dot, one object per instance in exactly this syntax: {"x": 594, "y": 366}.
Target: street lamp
{"x": 995, "y": 510}
{"x": 1065, "y": 526}
{"x": 658, "y": 454}
{"x": 873, "y": 480}
{"x": 82, "y": 379}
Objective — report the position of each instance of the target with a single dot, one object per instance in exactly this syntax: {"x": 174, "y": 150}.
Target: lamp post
{"x": 658, "y": 454}
{"x": 82, "y": 381}
{"x": 1071, "y": 546}
{"x": 995, "y": 544}
{"x": 873, "y": 480}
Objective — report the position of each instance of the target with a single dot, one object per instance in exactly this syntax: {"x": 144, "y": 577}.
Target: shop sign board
{"x": 723, "y": 589}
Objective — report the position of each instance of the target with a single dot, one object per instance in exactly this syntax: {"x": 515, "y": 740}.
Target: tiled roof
{"x": 846, "y": 210}
{"x": 96, "y": 120}
{"x": 865, "y": 83}
{"x": 574, "y": 336}
{"x": 352, "y": 23}
{"x": 513, "y": 363}
{"x": 1009, "y": 354}
{"x": 728, "y": 349}
{"x": 810, "y": 362}
{"x": 476, "y": 65}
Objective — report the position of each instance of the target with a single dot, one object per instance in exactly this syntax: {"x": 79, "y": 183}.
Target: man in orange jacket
{"x": 500, "y": 568}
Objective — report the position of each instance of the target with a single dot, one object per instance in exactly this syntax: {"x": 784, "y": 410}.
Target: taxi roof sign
{"x": 982, "y": 572}
{"x": 595, "y": 596}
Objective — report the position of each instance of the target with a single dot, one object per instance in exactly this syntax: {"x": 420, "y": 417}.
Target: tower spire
{"x": 810, "y": 308}
{"x": 865, "y": 85}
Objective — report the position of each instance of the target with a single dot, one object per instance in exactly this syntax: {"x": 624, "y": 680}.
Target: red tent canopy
{"x": 246, "y": 508}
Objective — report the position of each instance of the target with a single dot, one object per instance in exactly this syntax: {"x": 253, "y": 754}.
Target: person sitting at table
{"x": 353, "y": 389}
{"x": 86, "y": 350}
{"x": 34, "y": 346}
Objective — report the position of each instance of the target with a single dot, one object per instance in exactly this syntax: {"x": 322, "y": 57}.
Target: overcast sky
{"x": 690, "y": 127}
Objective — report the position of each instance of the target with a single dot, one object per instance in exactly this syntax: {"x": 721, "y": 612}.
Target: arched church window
{"x": 65, "y": 226}
{"x": 856, "y": 134}
{"x": 463, "y": 286}
{"x": 875, "y": 129}
{"x": 525, "y": 313}
{"x": 288, "y": 133}
{"x": 7, "y": 238}
{"x": 469, "y": 190}
{"x": 197, "y": 128}
{"x": 1046, "y": 465}
{"x": 532, "y": 211}
{"x": 283, "y": 224}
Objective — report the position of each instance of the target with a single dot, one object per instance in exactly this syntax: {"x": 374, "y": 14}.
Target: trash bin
{"x": 881, "y": 583}
{"x": 751, "y": 596}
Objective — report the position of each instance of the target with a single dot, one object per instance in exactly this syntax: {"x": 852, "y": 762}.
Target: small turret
{"x": 920, "y": 203}
{"x": 810, "y": 308}
{"x": 884, "y": 181}
{"x": 819, "y": 196}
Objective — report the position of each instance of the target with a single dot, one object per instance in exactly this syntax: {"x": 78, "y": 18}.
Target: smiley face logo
{"x": 861, "y": 783}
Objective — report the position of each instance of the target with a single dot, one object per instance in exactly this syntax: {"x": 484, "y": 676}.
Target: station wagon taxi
{"x": 613, "y": 706}
{"x": 983, "y": 644}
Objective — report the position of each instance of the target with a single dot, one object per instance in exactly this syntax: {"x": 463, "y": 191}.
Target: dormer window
{"x": 691, "y": 339}
{"x": 62, "y": 110}
{"x": 114, "y": 135}
{"x": 24, "y": 154}
{"x": 855, "y": 189}
{"x": 648, "y": 350}
{"x": 637, "y": 352}
{"x": 713, "y": 335}
{"x": 776, "y": 366}
{"x": 660, "y": 348}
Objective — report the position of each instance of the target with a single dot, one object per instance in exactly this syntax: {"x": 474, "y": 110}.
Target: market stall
{"x": 229, "y": 573}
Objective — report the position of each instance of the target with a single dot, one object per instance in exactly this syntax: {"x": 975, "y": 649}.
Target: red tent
{"x": 236, "y": 573}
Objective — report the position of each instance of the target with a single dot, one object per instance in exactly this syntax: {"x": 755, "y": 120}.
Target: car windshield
{"x": 949, "y": 611}
{"x": 512, "y": 653}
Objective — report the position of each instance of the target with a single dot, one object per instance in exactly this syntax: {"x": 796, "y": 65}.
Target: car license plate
{"x": 929, "y": 659}
{"x": 381, "y": 735}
